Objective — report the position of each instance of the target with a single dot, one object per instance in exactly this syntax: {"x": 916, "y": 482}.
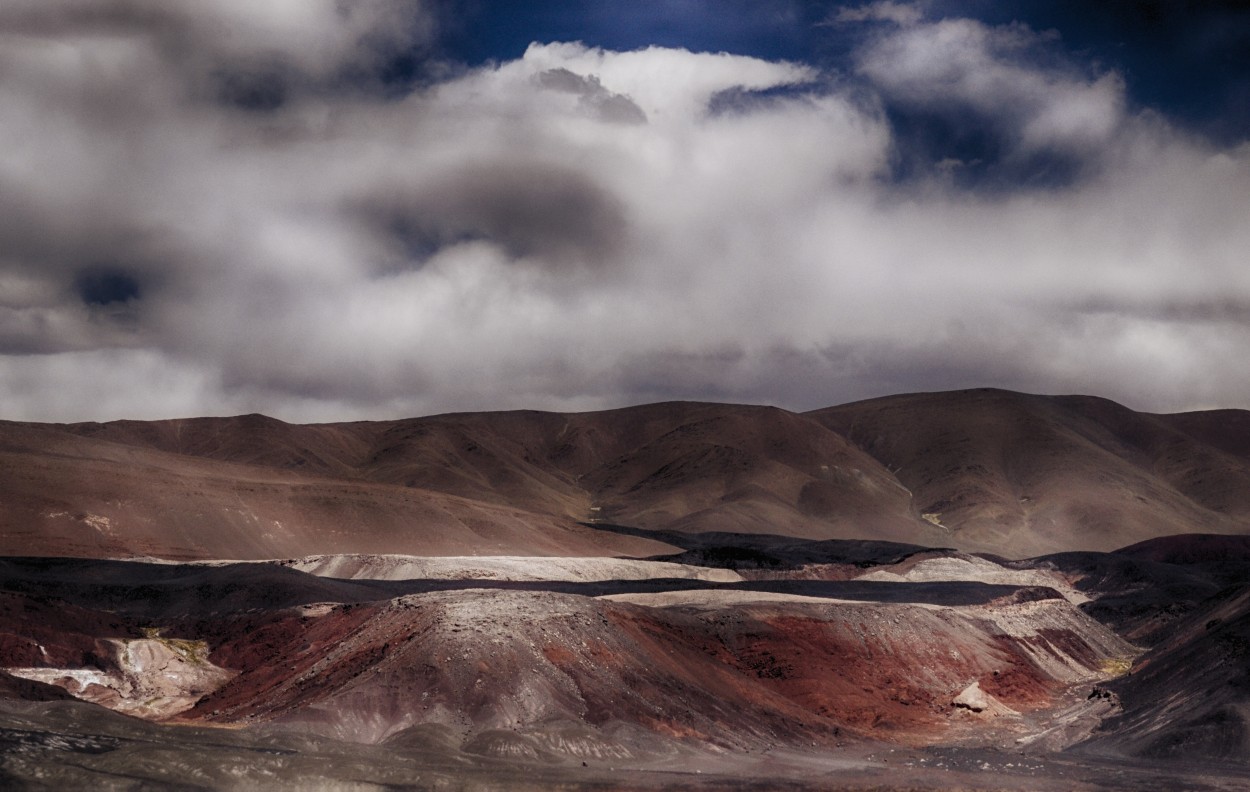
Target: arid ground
{"x": 970, "y": 590}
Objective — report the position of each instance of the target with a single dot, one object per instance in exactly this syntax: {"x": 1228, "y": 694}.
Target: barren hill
{"x": 834, "y": 663}
{"x": 1020, "y": 474}
{"x": 523, "y": 664}
{"x": 985, "y": 470}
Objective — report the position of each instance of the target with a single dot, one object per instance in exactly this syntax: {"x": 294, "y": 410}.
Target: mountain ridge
{"x": 982, "y": 470}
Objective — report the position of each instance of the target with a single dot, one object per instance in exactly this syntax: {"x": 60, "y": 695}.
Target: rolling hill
{"x": 989, "y": 471}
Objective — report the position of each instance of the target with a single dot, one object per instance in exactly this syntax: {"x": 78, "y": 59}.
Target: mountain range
{"x": 984, "y": 471}
{"x": 1009, "y": 590}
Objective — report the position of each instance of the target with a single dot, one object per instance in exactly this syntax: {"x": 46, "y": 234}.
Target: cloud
{"x": 539, "y": 212}
{"x": 999, "y": 103}
{"x": 881, "y": 11}
{"x": 594, "y": 97}
{"x": 216, "y": 208}
{"x": 229, "y": 39}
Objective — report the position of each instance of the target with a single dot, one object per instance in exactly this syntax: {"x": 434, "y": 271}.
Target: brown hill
{"x": 1023, "y": 474}
{"x": 70, "y": 495}
{"x": 984, "y": 470}
{"x": 753, "y": 470}
{"x": 493, "y": 483}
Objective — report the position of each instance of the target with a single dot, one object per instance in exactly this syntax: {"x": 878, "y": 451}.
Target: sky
{"x": 329, "y": 211}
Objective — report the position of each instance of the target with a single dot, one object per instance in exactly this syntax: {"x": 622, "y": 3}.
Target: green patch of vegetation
{"x": 1116, "y": 666}
{"x": 191, "y": 651}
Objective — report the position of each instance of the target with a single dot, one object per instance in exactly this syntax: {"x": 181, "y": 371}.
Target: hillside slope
{"x": 986, "y": 471}
{"x": 1037, "y": 474}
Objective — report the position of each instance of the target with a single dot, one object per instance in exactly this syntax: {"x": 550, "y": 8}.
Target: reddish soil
{"x": 38, "y": 631}
{"x": 554, "y": 679}
{"x": 757, "y": 675}
{"x": 747, "y": 672}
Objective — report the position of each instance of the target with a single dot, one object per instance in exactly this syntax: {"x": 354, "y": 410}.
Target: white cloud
{"x": 992, "y": 75}
{"x": 499, "y": 239}
{"x": 672, "y": 86}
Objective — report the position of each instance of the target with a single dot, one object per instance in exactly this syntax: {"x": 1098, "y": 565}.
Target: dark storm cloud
{"x": 106, "y": 286}
{"x": 1232, "y": 310}
{"x": 263, "y": 87}
{"x": 73, "y": 276}
{"x": 543, "y": 213}
{"x": 287, "y": 207}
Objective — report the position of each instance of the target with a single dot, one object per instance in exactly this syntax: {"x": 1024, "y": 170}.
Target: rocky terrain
{"x": 917, "y": 592}
{"x": 850, "y": 664}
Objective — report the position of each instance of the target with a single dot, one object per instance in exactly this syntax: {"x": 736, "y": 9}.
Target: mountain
{"x": 1024, "y": 475}
{"x": 976, "y": 589}
{"x": 985, "y": 470}
{"x": 73, "y": 491}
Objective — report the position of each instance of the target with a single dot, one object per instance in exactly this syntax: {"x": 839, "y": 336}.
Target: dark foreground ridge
{"x": 75, "y": 746}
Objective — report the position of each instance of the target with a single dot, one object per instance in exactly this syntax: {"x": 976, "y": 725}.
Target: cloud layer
{"x": 231, "y": 206}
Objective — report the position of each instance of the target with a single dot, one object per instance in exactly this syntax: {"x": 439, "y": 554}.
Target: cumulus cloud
{"x": 995, "y": 102}
{"x": 227, "y": 207}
